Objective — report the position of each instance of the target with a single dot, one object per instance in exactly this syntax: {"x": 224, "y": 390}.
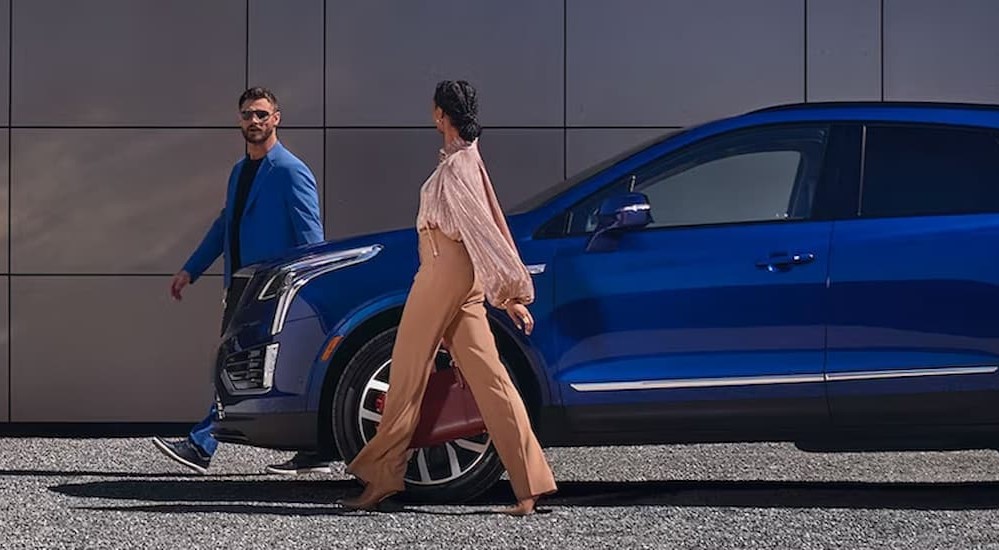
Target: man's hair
{"x": 256, "y": 93}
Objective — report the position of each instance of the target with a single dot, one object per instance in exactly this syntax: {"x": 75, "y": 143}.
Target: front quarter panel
{"x": 350, "y": 322}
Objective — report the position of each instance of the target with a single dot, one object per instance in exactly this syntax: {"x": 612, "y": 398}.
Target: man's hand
{"x": 178, "y": 283}
{"x": 521, "y": 317}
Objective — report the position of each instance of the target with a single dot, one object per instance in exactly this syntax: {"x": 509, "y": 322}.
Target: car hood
{"x": 396, "y": 239}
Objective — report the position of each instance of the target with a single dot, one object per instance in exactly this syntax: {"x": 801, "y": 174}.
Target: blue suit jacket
{"x": 281, "y": 212}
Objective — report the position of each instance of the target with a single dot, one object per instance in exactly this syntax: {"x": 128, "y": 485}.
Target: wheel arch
{"x": 526, "y": 377}
{"x": 345, "y": 350}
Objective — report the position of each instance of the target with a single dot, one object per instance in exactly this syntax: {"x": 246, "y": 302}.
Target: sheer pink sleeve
{"x": 469, "y": 215}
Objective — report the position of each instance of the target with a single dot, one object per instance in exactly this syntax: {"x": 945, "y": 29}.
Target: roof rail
{"x": 842, "y": 104}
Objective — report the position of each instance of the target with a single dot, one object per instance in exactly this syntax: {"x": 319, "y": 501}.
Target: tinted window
{"x": 547, "y": 194}
{"x": 911, "y": 171}
{"x": 753, "y": 186}
{"x": 758, "y": 175}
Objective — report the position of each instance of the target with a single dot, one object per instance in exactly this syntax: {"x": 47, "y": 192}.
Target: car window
{"x": 541, "y": 197}
{"x": 757, "y": 175}
{"x": 912, "y": 171}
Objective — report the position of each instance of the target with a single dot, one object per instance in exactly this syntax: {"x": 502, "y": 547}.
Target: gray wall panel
{"x": 4, "y": 62}
{"x": 93, "y": 205}
{"x": 586, "y": 147}
{"x": 384, "y": 58}
{"x": 4, "y": 200}
{"x": 522, "y": 163}
{"x": 675, "y": 62}
{"x": 375, "y": 175}
{"x": 286, "y": 55}
{"x": 4, "y": 351}
{"x": 116, "y": 201}
{"x": 375, "y": 178}
{"x": 128, "y": 62}
{"x": 148, "y": 359}
{"x": 844, "y": 50}
{"x": 938, "y": 50}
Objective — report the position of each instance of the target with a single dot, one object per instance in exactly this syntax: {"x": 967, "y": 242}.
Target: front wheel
{"x": 456, "y": 471}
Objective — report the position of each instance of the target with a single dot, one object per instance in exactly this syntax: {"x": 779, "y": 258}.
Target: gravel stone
{"x": 122, "y": 493}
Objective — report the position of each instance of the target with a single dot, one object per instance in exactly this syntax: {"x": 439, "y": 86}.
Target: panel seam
{"x": 326, "y": 190}
{"x": 10, "y": 209}
{"x": 565, "y": 89}
{"x": 805, "y": 55}
{"x": 334, "y": 127}
{"x": 882, "y": 52}
{"x": 246, "y": 51}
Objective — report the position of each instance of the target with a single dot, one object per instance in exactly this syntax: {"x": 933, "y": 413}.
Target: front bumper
{"x": 262, "y": 387}
{"x": 294, "y": 431}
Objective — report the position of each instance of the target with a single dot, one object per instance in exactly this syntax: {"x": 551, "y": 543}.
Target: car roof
{"x": 918, "y": 112}
{"x": 881, "y": 104}
{"x": 975, "y": 114}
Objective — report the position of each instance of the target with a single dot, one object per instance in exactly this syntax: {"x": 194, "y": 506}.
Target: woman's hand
{"x": 521, "y": 317}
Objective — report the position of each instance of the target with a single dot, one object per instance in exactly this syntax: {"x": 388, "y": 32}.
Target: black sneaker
{"x": 185, "y": 453}
{"x": 301, "y": 463}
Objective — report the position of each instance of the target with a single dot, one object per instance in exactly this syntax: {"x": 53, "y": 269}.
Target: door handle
{"x": 784, "y": 262}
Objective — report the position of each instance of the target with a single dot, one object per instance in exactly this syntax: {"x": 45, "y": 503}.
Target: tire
{"x": 431, "y": 475}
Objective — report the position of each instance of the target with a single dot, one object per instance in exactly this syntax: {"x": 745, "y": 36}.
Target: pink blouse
{"x": 459, "y": 199}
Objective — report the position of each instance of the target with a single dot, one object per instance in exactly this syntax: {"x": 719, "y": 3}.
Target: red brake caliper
{"x": 380, "y": 403}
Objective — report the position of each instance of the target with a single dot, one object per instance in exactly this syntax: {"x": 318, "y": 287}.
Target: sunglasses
{"x": 261, "y": 115}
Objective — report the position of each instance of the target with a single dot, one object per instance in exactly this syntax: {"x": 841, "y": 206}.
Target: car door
{"x": 713, "y": 316}
{"x": 913, "y": 336}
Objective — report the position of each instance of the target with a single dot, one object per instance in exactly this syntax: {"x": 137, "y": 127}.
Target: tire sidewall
{"x": 349, "y": 440}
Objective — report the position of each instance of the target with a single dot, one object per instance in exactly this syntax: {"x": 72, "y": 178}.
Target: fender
{"x": 361, "y": 314}
{"x": 350, "y": 322}
{"x": 536, "y": 362}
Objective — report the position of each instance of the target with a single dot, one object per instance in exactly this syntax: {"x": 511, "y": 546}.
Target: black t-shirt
{"x": 246, "y": 176}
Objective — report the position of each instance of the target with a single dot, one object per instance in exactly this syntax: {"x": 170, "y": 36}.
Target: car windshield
{"x": 549, "y": 193}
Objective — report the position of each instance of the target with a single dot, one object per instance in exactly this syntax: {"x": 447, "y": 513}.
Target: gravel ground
{"x": 122, "y": 493}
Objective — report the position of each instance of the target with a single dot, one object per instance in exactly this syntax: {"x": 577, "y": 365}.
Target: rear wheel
{"x": 453, "y": 472}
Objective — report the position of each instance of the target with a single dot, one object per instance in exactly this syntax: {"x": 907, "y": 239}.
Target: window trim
{"x": 869, "y": 124}
{"x": 563, "y": 218}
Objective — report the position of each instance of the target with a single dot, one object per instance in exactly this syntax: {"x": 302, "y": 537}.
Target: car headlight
{"x": 289, "y": 279}
{"x": 275, "y": 285}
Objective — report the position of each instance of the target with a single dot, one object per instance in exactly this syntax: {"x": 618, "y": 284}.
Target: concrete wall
{"x": 119, "y": 129}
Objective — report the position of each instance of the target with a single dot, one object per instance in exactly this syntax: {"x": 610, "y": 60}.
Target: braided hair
{"x": 457, "y": 98}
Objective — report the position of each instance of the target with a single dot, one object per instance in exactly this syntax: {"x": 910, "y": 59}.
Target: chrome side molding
{"x": 698, "y": 382}
{"x": 682, "y": 383}
{"x": 909, "y": 373}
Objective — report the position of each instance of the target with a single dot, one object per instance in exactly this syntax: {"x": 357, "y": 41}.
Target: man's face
{"x": 258, "y": 120}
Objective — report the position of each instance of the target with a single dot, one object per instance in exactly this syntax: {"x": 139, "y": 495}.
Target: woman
{"x": 467, "y": 255}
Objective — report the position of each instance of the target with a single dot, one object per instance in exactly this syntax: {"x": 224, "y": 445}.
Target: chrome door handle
{"x": 784, "y": 262}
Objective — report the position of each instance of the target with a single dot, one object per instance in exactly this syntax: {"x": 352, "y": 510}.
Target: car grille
{"x": 245, "y": 369}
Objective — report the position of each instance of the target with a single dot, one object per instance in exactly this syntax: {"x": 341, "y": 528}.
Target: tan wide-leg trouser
{"x": 445, "y": 301}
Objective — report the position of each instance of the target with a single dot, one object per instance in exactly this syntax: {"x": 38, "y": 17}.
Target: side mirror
{"x": 617, "y": 215}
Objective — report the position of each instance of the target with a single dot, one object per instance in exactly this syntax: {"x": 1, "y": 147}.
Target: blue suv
{"x": 824, "y": 274}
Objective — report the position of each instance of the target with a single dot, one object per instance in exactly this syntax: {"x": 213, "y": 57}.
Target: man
{"x": 271, "y": 206}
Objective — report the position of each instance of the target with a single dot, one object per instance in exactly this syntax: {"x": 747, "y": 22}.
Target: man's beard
{"x": 259, "y": 137}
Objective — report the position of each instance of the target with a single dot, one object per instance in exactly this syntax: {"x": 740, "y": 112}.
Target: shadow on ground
{"x": 292, "y": 497}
